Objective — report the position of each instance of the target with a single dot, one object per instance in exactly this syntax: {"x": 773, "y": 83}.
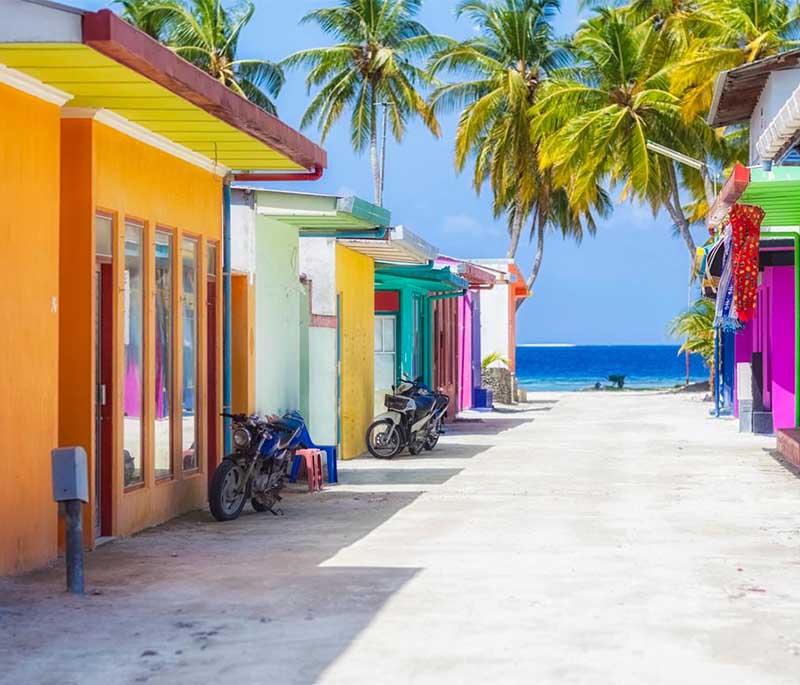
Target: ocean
{"x": 568, "y": 367}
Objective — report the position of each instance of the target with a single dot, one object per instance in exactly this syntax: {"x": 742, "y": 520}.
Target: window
{"x": 162, "y": 430}
{"x": 133, "y": 336}
{"x": 417, "y": 359}
{"x": 189, "y": 274}
{"x": 385, "y": 357}
{"x": 103, "y": 235}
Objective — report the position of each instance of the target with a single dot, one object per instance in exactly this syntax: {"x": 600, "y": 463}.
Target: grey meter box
{"x": 70, "y": 474}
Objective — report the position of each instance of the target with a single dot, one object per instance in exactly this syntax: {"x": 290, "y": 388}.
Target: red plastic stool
{"x": 313, "y": 462}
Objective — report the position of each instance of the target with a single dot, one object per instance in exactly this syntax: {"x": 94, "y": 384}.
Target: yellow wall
{"x": 355, "y": 283}
{"x": 29, "y": 192}
{"x": 109, "y": 171}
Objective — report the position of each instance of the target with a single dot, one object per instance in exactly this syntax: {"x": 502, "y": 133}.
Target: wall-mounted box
{"x": 70, "y": 474}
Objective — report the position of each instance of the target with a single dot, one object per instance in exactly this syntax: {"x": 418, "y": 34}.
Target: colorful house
{"x": 758, "y": 213}
{"x": 288, "y": 269}
{"x": 404, "y": 304}
{"x": 116, "y": 156}
{"x": 341, "y": 270}
{"x": 499, "y": 322}
{"x": 457, "y": 336}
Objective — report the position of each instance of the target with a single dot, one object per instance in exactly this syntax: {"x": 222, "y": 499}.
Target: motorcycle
{"x": 263, "y": 451}
{"x": 414, "y": 419}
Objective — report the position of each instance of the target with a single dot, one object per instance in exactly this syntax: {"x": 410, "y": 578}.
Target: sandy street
{"x": 594, "y": 538}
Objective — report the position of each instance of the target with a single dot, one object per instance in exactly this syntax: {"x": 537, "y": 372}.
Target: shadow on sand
{"x": 249, "y": 601}
{"x": 396, "y": 476}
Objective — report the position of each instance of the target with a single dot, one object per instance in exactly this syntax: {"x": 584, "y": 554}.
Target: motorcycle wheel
{"x": 379, "y": 444}
{"x": 432, "y": 441}
{"x": 416, "y": 445}
{"x": 227, "y": 494}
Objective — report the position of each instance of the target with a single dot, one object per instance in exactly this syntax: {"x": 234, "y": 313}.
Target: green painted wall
{"x": 278, "y": 296}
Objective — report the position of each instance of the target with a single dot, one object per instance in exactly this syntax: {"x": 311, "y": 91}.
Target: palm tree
{"x": 145, "y": 16}
{"x": 371, "y": 66}
{"x": 594, "y": 121}
{"x": 551, "y": 208}
{"x": 727, "y": 34}
{"x": 696, "y": 325}
{"x": 207, "y": 33}
{"x": 503, "y": 66}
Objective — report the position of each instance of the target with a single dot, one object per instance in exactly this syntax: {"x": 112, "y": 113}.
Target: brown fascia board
{"x": 110, "y": 35}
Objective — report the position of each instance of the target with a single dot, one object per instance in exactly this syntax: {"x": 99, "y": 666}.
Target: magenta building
{"x": 457, "y": 335}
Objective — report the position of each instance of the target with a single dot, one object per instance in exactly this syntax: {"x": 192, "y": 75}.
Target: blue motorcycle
{"x": 258, "y": 468}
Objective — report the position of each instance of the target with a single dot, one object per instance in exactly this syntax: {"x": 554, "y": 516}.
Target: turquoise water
{"x": 581, "y": 366}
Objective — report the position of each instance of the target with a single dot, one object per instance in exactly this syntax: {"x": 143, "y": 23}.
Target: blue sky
{"x": 623, "y": 286}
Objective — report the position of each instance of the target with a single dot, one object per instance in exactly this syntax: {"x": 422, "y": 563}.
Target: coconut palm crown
{"x": 502, "y": 69}
{"x": 594, "y": 121}
{"x": 207, "y": 33}
{"x": 374, "y": 64}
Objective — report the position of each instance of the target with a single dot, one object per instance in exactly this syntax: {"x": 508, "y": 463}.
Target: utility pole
{"x": 702, "y": 167}
{"x": 385, "y": 106}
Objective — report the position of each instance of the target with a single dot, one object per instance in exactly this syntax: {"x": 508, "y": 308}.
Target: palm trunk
{"x": 540, "y": 225}
{"x": 675, "y": 210}
{"x": 516, "y": 230}
{"x": 537, "y": 260}
{"x": 374, "y": 157}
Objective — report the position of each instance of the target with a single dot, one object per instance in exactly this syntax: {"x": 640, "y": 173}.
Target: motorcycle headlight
{"x": 241, "y": 438}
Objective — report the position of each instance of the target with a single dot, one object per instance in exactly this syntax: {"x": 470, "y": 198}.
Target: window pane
{"x": 103, "y": 232}
{"x": 378, "y": 334}
{"x": 163, "y": 340}
{"x": 189, "y": 389}
{"x": 133, "y": 337}
{"x": 211, "y": 260}
{"x": 384, "y": 371}
{"x": 388, "y": 333}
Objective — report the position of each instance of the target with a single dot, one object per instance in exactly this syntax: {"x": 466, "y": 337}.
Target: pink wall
{"x": 465, "y": 375}
{"x": 779, "y": 352}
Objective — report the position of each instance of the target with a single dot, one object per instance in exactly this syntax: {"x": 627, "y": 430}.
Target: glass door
{"x": 385, "y": 357}
{"x": 163, "y": 429}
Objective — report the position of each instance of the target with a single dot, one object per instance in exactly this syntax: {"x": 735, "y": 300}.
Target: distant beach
{"x": 567, "y": 367}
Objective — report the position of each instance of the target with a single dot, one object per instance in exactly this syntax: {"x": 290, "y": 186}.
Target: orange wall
{"x": 243, "y": 345}
{"x": 112, "y": 172}
{"x": 29, "y": 192}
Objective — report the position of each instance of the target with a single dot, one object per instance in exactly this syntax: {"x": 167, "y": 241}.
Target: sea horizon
{"x": 543, "y": 367}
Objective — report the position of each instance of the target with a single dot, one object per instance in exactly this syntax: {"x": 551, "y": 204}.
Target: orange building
{"x": 115, "y": 154}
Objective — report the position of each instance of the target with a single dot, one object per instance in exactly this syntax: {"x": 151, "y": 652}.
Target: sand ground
{"x": 592, "y": 538}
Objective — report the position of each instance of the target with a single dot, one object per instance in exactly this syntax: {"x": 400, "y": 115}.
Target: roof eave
{"x": 113, "y": 37}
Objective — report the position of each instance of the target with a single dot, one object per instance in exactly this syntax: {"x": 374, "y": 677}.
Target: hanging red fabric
{"x": 746, "y": 223}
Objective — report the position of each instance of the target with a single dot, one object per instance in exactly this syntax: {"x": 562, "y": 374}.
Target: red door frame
{"x": 212, "y": 406}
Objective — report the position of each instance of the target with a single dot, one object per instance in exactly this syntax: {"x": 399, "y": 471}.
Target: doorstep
{"x": 789, "y": 446}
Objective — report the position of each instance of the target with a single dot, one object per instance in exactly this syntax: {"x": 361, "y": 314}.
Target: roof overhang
{"x": 478, "y": 277}
{"x": 106, "y": 65}
{"x": 399, "y": 246}
{"x": 425, "y": 279}
{"x": 319, "y": 215}
{"x": 736, "y": 91}
{"x": 777, "y": 192}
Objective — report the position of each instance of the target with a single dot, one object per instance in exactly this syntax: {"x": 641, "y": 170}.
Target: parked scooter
{"x": 415, "y": 419}
{"x": 263, "y": 451}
